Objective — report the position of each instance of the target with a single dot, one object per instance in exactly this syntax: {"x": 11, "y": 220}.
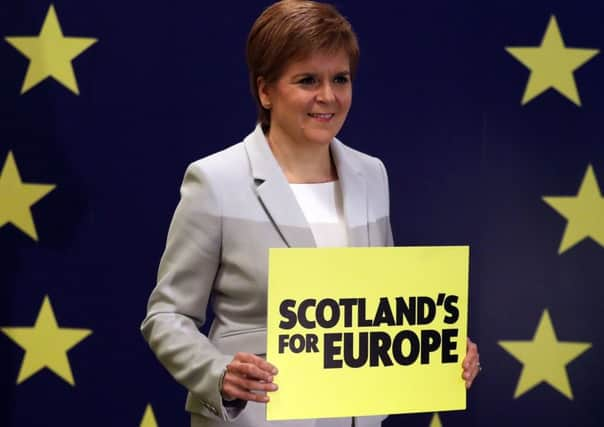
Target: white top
{"x": 322, "y": 206}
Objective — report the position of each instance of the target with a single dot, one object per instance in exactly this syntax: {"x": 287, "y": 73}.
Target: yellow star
{"x": 435, "y": 421}
{"x": 552, "y": 64}
{"x": 46, "y": 345}
{"x": 584, "y": 212}
{"x": 148, "y": 418}
{"x": 16, "y": 198}
{"x": 50, "y": 54}
{"x": 544, "y": 358}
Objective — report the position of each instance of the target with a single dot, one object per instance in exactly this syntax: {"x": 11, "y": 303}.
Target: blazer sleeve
{"x": 177, "y": 306}
{"x": 389, "y": 237}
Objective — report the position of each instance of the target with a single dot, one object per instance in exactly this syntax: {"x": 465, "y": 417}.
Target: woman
{"x": 290, "y": 183}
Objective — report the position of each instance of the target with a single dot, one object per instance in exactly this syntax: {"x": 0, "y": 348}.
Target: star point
{"x": 148, "y": 418}
{"x": 544, "y": 358}
{"x": 50, "y": 54}
{"x": 17, "y": 198}
{"x": 435, "y": 422}
{"x": 552, "y": 64}
{"x": 584, "y": 212}
{"x": 46, "y": 345}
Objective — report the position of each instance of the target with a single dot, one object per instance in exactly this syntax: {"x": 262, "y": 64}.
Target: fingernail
{"x": 275, "y": 387}
{"x": 275, "y": 371}
{"x": 269, "y": 379}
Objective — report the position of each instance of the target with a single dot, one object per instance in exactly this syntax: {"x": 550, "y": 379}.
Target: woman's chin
{"x": 319, "y": 136}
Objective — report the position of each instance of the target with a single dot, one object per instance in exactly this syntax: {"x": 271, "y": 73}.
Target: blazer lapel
{"x": 354, "y": 193}
{"x": 275, "y": 194}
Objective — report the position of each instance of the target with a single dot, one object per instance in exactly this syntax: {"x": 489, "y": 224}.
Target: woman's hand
{"x": 248, "y": 373}
{"x": 471, "y": 363}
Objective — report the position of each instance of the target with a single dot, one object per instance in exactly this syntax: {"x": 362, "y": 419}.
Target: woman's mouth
{"x": 322, "y": 117}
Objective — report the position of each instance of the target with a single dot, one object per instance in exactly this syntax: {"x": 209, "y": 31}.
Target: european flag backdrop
{"x": 489, "y": 118}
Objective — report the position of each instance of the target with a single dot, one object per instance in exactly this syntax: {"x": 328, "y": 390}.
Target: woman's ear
{"x": 263, "y": 93}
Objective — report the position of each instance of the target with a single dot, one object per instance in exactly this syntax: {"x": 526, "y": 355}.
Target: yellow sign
{"x": 367, "y": 331}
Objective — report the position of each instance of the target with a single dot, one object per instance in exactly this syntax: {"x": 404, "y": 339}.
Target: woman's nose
{"x": 326, "y": 93}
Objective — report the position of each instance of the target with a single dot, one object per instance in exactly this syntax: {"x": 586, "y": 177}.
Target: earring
{"x": 266, "y": 106}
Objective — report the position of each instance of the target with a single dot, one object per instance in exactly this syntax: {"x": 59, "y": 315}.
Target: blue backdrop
{"x": 437, "y": 97}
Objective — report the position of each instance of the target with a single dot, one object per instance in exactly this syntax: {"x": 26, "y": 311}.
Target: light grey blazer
{"x": 235, "y": 205}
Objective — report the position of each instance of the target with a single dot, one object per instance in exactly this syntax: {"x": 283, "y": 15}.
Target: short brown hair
{"x": 292, "y": 30}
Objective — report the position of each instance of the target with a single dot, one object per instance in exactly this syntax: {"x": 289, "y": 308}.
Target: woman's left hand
{"x": 471, "y": 363}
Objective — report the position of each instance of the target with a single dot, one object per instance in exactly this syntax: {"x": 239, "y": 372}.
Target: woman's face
{"x": 310, "y": 101}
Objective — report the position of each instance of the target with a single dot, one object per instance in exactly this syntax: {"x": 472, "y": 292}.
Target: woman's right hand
{"x": 248, "y": 373}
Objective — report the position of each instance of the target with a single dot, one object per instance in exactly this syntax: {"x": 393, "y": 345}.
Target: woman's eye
{"x": 307, "y": 81}
{"x": 341, "y": 79}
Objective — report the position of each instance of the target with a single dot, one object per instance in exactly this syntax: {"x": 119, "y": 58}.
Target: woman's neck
{"x": 302, "y": 162}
